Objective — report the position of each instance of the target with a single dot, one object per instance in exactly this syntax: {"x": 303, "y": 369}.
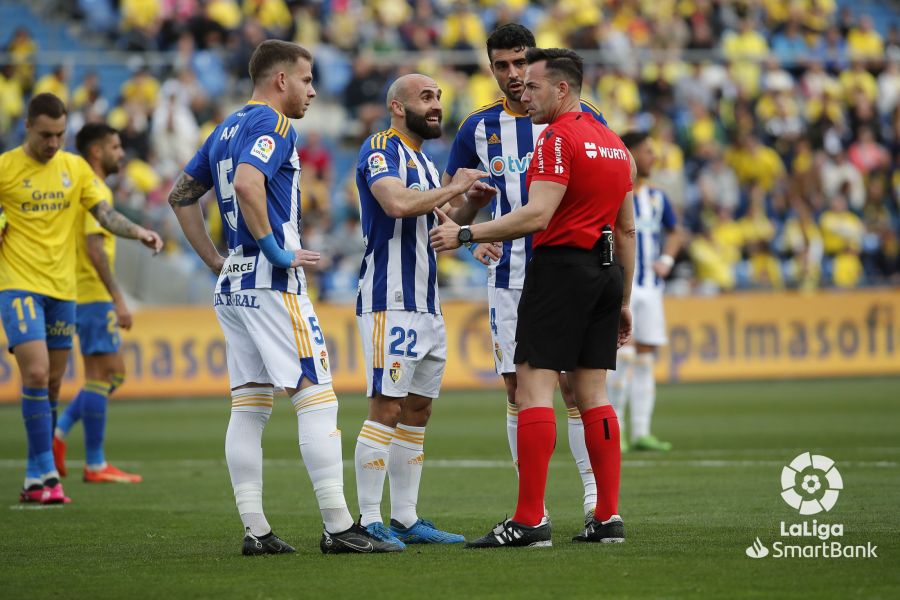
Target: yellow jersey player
{"x": 100, "y": 312}
{"x": 42, "y": 192}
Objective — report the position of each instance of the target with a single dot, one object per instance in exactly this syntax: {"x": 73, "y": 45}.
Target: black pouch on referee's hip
{"x": 605, "y": 246}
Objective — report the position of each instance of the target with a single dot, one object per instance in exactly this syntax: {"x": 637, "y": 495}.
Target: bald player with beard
{"x": 398, "y": 308}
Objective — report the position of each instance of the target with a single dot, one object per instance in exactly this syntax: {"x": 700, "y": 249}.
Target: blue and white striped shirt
{"x": 260, "y": 136}
{"x": 399, "y": 268}
{"x": 501, "y": 142}
{"x": 653, "y": 215}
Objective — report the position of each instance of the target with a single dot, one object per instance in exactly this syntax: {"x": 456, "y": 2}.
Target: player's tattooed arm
{"x": 117, "y": 223}
{"x": 186, "y": 191}
{"x": 183, "y": 199}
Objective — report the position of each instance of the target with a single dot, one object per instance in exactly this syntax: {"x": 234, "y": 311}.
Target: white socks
{"x": 582, "y": 460}
{"x": 320, "y": 447}
{"x": 643, "y": 395}
{"x": 381, "y": 450}
{"x": 371, "y": 459}
{"x": 405, "y": 468}
{"x": 617, "y": 383}
{"x": 512, "y": 426}
{"x": 250, "y": 411}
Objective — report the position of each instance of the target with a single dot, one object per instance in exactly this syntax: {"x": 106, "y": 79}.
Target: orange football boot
{"x": 110, "y": 474}
{"x": 59, "y": 456}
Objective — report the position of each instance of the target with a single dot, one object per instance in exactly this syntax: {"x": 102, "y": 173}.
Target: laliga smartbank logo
{"x": 811, "y": 484}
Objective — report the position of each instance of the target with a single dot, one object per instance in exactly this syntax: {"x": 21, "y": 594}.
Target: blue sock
{"x": 116, "y": 382}
{"x": 93, "y": 409}
{"x": 71, "y": 415}
{"x": 54, "y": 405}
{"x": 39, "y": 429}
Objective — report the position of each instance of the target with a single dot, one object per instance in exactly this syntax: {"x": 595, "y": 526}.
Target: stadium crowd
{"x": 776, "y": 123}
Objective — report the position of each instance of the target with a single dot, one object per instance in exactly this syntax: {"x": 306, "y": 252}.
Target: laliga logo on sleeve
{"x": 263, "y": 148}
{"x": 811, "y": 484}
{"x": 377, "y": 164}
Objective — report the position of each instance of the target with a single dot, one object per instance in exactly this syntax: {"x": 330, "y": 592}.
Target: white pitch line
{"x": 31, "y": 506}
{"x": 485, "y": 464}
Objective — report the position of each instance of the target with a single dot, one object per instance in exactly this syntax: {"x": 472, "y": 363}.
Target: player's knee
{"x": 36, "y": 375}
{"x": 416, "y": 414}
{"x": 385, "y": 410}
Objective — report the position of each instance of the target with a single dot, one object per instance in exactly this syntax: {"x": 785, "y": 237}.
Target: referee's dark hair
{"x": 633, "y": 139}
{"x": 272, "y": 53}
{"x": 91, "y": 134}
{"x": 561, "y": 62}
{"x": 46, "y": 104}
{"x": 510, "y": 36}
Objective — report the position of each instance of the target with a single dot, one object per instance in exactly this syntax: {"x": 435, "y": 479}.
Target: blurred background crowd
{"x": 776, "y": 122}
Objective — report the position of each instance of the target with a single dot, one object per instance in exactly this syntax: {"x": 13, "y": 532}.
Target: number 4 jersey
{"x": 262, "y": 137}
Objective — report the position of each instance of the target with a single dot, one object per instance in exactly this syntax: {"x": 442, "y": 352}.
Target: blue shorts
{"x": 98, "y": 328}
{"x": 28, "y": 316}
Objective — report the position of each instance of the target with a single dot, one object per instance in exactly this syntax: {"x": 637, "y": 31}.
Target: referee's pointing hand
{"x": 446, "y": 235}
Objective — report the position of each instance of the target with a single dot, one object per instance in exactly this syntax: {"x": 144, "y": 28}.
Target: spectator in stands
{"x": 142, "y": 90}
{"x": 754, "y": 163}
{"x": 141, "y": 21}
{"x": 746, "y": 48}
{"x": 363, "y": 97}
{"x": 801, "y": 244}
{"x": 889, "y": 87}
{"x": 842, "y": 234}
{"x": 864, "y": 43}
{"x": 718, "y": 184}
{"x": 174, "y": 132}
{"x": 758, "y": 233}
{"x": 55, "y": 82}
{"x": 840, "y": 176}
{"x": 11, "y": 104}
{"x": 866, "y": 154}
{"x": 22, "y": 48}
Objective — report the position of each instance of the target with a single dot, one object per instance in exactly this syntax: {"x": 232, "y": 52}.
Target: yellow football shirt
{"x": 43, "y": 202}
{"x": 90, "y": 287}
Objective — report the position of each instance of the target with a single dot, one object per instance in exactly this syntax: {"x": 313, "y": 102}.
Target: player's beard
{"x": 111, "y": 166}
{"x": 515, "y": 96}
{"x": 418, "y": 124}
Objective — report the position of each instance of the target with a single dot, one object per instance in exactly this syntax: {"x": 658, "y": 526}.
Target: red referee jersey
{"x": 591, "y": 161}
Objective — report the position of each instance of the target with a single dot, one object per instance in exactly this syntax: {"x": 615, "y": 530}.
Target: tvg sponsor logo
{"x": 510, "y": 164}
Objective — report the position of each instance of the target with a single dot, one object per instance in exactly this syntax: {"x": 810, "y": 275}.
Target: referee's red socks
{"x": 601, "y": 436}
{"x": 536, "y": 437}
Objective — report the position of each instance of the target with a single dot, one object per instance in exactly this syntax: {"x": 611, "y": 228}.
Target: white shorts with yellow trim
{"x": 272, "y": 337}
{"x": 503, "y": 307}
{"x": 405, "y": 353}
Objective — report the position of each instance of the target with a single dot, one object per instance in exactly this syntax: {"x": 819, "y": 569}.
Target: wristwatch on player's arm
{"x": 465, "y": 236}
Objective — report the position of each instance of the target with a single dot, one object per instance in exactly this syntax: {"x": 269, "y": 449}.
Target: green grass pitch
{"x": 689, "y": 514}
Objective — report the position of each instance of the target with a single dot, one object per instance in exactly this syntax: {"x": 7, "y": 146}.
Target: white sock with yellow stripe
{"x": 320, "y": 447}
{"x": 371, "y": 458}
{"x": 582, "y": 460}
{"x": 405, "y": 470}
{"x": 250, "y": 411}
{"x": 512, "y": 427}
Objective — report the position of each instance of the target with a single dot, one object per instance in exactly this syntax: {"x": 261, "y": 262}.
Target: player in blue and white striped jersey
{"x": 398, "y": 308}
{"x": 500, "y": 138}
{"x": 272, "y": 334}
{"x": 659, "y": 239}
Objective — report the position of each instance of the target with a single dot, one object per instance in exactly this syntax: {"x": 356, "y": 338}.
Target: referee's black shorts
{"x": 569, "y": 311}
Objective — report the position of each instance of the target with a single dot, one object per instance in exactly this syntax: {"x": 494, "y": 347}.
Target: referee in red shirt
{"x": 574, "y": 313}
